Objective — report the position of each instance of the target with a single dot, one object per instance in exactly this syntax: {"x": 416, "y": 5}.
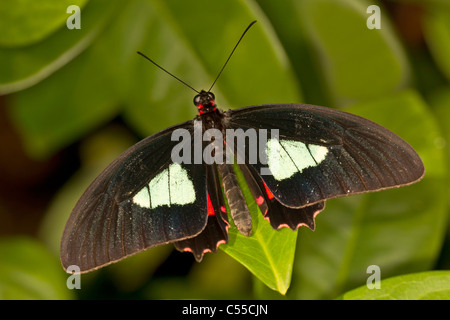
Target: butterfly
{"x": 293, "y": 157}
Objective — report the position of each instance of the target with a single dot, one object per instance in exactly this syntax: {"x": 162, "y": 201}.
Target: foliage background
{"x": 72, "y": 100}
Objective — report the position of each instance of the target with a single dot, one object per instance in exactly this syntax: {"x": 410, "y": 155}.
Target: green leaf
{"x": 400, "y": 230}
{"x": 23, "y": 67}
{"x": 71, "y": 102}
{"x": 287, "y": 22}
{"x": 267, "y": 253}
{"x": 437, "y": 34}
{"x": 24, "y": 22}
{"x": 433, "y": 285}
{"x": 29, "y": 271}
{"x": 358, "y": 63}
{"x": 203, "y": 281}
{"x": 440, "y": 100}
{"x": 50, "y": 119}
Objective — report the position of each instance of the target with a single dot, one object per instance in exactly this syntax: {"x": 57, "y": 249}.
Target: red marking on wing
{"x": 223, "y": 209}
{"x": 301, "y": 224}
{"x": 260, "y": 200}
{"x": 210, "y": 207}
{"x": 221, "y": 241}
{"x": 269, "y": 194}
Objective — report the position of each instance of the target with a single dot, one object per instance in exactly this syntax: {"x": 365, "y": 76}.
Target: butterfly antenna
{"x": 231, "y": 54}
{"x": 166, "y": 71}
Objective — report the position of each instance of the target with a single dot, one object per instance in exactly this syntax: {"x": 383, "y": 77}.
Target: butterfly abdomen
{"x": 236, "y": 201}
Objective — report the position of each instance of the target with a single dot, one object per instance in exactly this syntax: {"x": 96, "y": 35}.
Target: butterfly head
{"x": 204, "y": 102}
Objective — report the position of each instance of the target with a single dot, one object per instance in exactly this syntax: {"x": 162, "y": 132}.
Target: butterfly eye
{"x": 197, "y": 100}
{"x": 211, "y": 96}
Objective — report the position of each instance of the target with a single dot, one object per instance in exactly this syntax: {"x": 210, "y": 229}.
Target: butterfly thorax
{"x": 208, "y": 113}
{"x": 204, "y": 102}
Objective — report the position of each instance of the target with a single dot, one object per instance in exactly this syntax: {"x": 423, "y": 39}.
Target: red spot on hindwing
{"x": 210, "y": 207}
{"x": 269, "y": 194}
{"x": 260, "y": 200}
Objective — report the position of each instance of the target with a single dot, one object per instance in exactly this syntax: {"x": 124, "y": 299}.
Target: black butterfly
{"x": 144, "y": 198}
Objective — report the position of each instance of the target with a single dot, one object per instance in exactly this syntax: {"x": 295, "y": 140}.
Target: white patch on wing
{"x": 142, "y": 198}
{"x": 286, "y": 157}
{"x": 159, "y": 189}
{"x": 181, "y": 187}
{"x": 318, "y": 152}
{"x": 170, "y": 186}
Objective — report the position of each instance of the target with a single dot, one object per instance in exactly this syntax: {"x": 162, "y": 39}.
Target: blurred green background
{"x": 71, "y": 100}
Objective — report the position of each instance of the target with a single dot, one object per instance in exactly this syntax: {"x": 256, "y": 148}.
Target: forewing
{"x": 141, "y": 200}
{"x": 324, "y": 153}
